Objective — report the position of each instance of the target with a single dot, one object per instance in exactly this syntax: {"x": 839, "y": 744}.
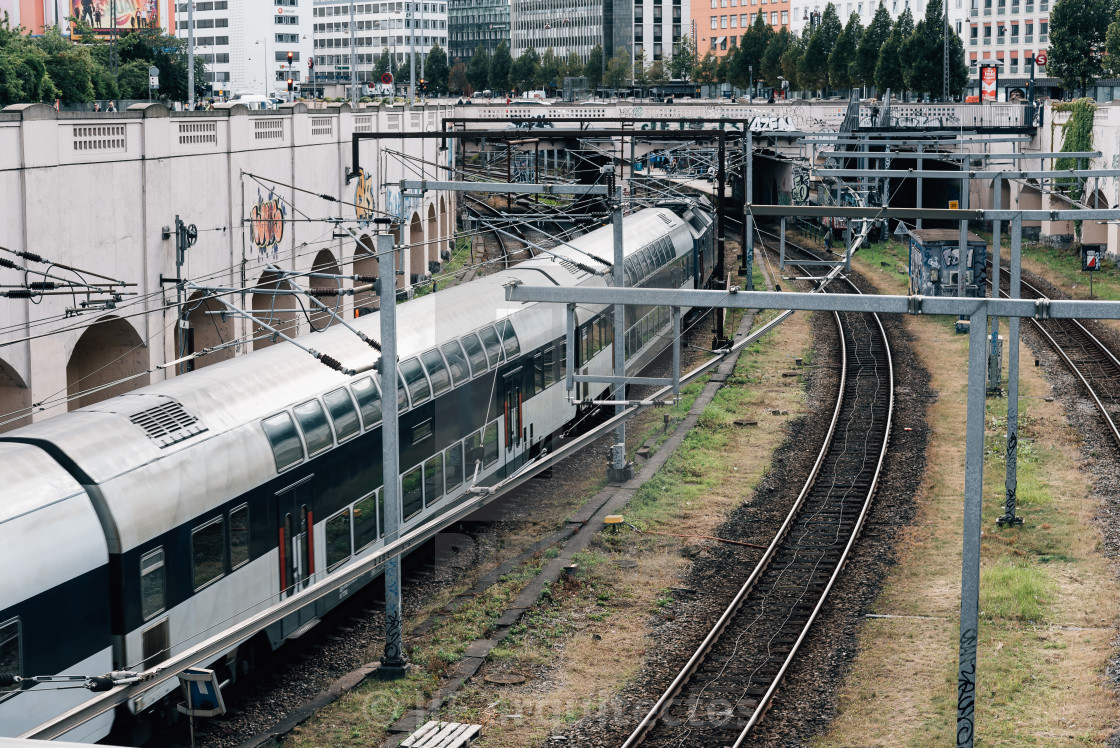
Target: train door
{"x": 512, "y": 413}
{"x": 295, "y": 519}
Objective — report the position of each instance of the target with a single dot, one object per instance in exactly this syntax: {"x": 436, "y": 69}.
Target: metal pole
{"x": 970, "y": 559}
{"x": 748, "y": 219}
{"x": 1011, "y": 480}
{"x": 721, "y": 204}
{"x": 353, "y": 63}
{"x": 190, "y": 52}
{"x": 918, "y": 200}
{"x": 676, "y": 351}
{"x": 570, "y": 350}
{"x": 962, "y": 248}
{"x": 620, "y": 471}
{"x": 782, "y": 245}
{"x": 994, "y": 362}
{"x": 411, "y": 16}
{"x": 393, "y": 663}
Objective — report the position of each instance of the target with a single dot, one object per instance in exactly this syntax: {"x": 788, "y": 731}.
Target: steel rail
{"x": 1073, "y": 367}
{"x": 696, "y": 660}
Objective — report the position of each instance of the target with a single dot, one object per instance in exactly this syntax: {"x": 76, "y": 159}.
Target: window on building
{"x": 1043, "y": 31}
{"x": 715, "y": 23}
{"x": 785, "y": 17}
{"x": 723, "y": 22}
{"x": 734, "y": 21}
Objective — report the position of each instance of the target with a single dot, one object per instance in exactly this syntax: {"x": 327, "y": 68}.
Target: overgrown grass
{"x": 1015, "y": 591}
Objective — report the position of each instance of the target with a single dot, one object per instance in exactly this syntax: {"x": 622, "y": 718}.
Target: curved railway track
{"x": 730, "y": 681}
{"x": 1086, "y": 356}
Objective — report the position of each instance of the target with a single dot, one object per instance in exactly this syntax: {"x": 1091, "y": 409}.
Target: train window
{"x": 474, "y": 452}
{"x": 493, "y": 345}
{"x": 433, "y": 479}
{"x": 412, "y": 493}
{"x": 155, "y": 643}
{"x": 417, "y": 383}
{"x": 475, "y": 353}
{"x": 313, "y": 423}
{"x": 490, "y": 444}
{"x": 369, "y": 401}
{"x": 453, "y": 466}
{"x": 509, "y": 339}
{"x": 365, "y": 521}
{"x": 402, "y": 393}
{"x": 549, "y": 367}
{"x": 537, "y": 379}
{"x": 238, "y": 536}
{"x": 437, "y": 371}
{"x": 338, "y": 539}
{"x": 153, "y": 583}
{"x": 343, "y": 415}
{"x": 10, "y": 651}
{"x": 208, "y": 553}
{"x": 456, "y": 362}
{"x": 286, "y": 447}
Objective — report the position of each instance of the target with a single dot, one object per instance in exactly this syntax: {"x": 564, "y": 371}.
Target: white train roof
{"x": 104, "y": 442}
{"x": 47, "y": 520}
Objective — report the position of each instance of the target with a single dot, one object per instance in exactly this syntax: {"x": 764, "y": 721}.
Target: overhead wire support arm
{"x": 284, "y": 275}
{"x": 32, "y": 257}
{"x": 328, "y": 361}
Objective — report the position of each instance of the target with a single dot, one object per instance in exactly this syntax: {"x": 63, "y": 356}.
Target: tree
{"x": 771, "y": 65}
{"x": 548, "y": 74}
{"x": 384, "y": 64}
{"x": 923, "y": 55}
{"x": 641, "y": 74}
{"x": 725, "y": 67}
{"x": 618, "y": 70}
{"x": 70, "y": 67}
{"x": 704, "y": 72}
{"x": 436, "y": 71}
{"x": 132, "y": 79}
{"x": 814, "y": 63}
{"x": 523, "y": 72}
{"x": 594, "y": 67}
{"x": 791, "y": 62}
{"x": 1077, "y": 41}
{"x": 573, "y": 68}
{"x": 657, "y": 73}
{"x": 684, "y": 57}
{"x": 752, "y": 48}
{"x": 457, "y": 79}
{"x": 867, "y": 53}
{"x": 500, "y": 65}
{"x": 478, "y": 69}
{"x": 889, "y": 68}
{"x": 842, "y": 60}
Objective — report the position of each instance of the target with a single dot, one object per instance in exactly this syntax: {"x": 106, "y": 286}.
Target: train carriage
{"x": 216, "y": 494}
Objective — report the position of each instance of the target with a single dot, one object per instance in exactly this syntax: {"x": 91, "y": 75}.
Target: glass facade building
{"x": 474, "y": 22}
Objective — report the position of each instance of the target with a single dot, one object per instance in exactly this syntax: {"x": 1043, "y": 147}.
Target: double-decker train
{"x": 139, "y": 526}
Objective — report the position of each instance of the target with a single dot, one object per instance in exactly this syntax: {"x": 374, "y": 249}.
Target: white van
{"x": 254, "y": 101}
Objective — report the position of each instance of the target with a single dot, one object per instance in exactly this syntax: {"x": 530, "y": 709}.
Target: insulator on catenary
{"x": 374, "y": 344}
{"x": 366, "y": 278}
{"x": 30, "y": 256}
{"x": 325, "y": 292}
{"x": 8, "y": 679}
{"x": 9, "y": 264}
{"x": 43, "y": 286}
{"x": 329, "y": 362}
{"x": 18, "y": 293}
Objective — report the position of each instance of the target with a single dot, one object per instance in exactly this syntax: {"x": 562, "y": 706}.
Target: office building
{"x": 474, "y": 22}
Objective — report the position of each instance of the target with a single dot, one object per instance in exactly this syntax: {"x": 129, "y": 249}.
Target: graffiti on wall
{"x": 365, "y": 199}
{"x": 398, "y": 207}
{"x": 266, "y": 222}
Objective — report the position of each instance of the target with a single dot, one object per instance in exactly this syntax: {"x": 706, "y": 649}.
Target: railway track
{"x": 730, "y": 681}
{"x": 1086, "y": 356}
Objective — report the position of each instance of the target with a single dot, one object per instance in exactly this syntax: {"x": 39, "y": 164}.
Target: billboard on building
{"x": 989, "y": 76}
{"x": 123, "y": 15}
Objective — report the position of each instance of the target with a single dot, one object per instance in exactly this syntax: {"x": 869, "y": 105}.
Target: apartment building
{"x": 720, "y": 24}
{"x": 1007, "y": 34}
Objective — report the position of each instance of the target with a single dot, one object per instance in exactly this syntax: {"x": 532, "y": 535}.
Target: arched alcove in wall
{"x": 109, "y": 359}
{"x": 210, "y": 328}
{"x": 275, "y": 310}
{"x": 15, "y": 399}
{"x": 324, "y": 263}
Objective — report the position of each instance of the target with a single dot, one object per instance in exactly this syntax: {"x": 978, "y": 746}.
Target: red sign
{"x": 387, "y": 78}
{"x": 989, "y": 76}
{"x": 1040, "y": 59}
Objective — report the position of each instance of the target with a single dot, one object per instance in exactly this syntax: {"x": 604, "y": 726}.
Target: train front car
{"x": 224, "y": 491}
{"x": 54, "y": 593}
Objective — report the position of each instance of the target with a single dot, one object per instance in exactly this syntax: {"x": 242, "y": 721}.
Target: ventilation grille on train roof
{"x": 665, "y": 218}
{"x": 167, "y": 424}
